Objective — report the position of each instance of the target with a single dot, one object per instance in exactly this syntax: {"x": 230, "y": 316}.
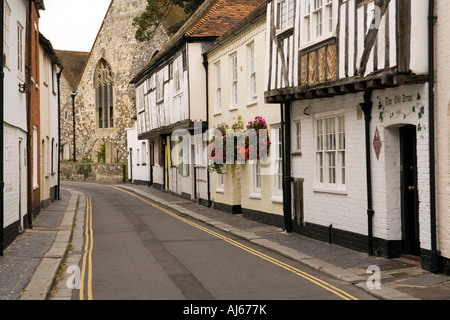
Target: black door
{"x": 410, "y": 212}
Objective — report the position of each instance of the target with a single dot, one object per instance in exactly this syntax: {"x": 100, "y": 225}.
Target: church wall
{"x": 125, "y": 56}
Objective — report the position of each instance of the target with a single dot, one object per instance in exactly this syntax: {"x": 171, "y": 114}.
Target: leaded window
{"x": 104, "y": 92}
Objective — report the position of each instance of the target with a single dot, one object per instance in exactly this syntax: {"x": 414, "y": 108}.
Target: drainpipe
{"x": 29, "y": 123}
{"x": 2, "y": 183}
{"x": 205, "y": 64}
{"x": 431, "y": 81}
{"x": 286, "y": 163}
{"x": 366, "y": 107}
{"x": 58, "y": 195}
{"x": 74, "y": 94}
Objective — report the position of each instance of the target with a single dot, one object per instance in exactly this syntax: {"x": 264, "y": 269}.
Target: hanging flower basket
{"x": 253, "y": 143}
{"x": 257, "y": 131}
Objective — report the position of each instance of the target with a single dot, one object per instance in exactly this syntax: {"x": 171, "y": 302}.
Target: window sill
{"x": 255, "y": 195}
{"x": 217, "y": 114}
{"x": 317, "y": 43}
{"x": 277, "y": 199}
{"x": 284, "y": 32}
{"x": 252, "y": 103}
{"x": 296, "y": 153}
{"x": 35, "y": 187}
{"x": 178, "y": 94}
{"x": 233, "y": 109}
{"x": 220, "y": 191}
{"x": 340, "y": 191}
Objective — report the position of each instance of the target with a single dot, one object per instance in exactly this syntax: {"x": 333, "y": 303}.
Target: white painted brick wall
{"x": 443, "y": 126}
{"x": 11, "y": 163}
{"x": 349, "y": 211}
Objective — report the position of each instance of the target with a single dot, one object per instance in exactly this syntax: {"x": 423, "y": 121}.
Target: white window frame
{"x": 178, "y": 75}
{"x": 277, "y": 164}
{"x": 35, "y": 158}
{"x": 285, "y": 14}
{"x": 54, "y": 79}
{"x": 234, "y": 80}
{"x": 140, "y": 98}
{"x": 318, "y": 20}
{"x": 159, "y": 82}
{"x": 20, "y": 51}
{"x": 218, "y": 88}
{"x": 6, "y": 32}
{"x": 144, "y": 153}
{"x": 252, "y": 72}
{"x": 329, "y": 134}
{"x": 297, "y": 137}
{"x": 47, "y": 156}
{"x": 257, "y": 178}
{"x": 220, "y": 183}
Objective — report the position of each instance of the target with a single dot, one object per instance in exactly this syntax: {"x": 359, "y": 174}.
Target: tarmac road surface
{"x": 136, "y": 249}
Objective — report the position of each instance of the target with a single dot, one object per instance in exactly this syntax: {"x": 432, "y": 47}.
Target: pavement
{"x": 37, "y": 265}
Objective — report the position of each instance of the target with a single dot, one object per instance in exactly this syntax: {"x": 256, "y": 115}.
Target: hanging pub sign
{"x": 377, "y": 144}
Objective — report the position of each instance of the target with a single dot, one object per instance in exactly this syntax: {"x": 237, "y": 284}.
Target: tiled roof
{"x": 73, "y": 62}
{"x": 222, "y": 16}
{"x": 212, "y": 19}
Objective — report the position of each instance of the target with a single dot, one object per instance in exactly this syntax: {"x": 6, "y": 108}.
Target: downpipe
{"x": 366, "y": 107}
{"x": 58, "y": 77}
{"x": 286, "y": 164}
{"x": 431, "y": 82}
{"x": 2, "y": 105}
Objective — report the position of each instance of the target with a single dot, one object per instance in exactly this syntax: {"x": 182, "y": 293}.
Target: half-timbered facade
{"x": 351, "y": 78}
{"x": 171, "y": 101}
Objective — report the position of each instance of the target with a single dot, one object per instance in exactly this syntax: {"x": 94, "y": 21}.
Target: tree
{"x": 157, "y": 11}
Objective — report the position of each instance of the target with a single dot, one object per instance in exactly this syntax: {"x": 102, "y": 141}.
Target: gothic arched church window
{"x": 104, "y": 95}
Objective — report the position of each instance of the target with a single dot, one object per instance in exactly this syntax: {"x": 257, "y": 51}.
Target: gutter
{"x": 286, "y": 164}
{"x": 205, "y": 64}
{"x": 431, "y": 20}
{"x": 2, "y": 183}
{"x": 366, "y": 107}
{"x": 30, "y": 127}
{"x": 58, "y": 194}
{"x": 73, "y": 122}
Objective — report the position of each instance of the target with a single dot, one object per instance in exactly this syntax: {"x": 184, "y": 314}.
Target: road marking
{"x": 342, "y": 294}
{"x": 87, "y": 256}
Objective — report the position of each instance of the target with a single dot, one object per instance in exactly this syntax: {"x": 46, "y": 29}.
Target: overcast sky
{"x": 72, "y": 24}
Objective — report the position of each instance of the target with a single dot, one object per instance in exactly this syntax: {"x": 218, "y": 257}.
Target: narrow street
{"x": 138, "y": 250}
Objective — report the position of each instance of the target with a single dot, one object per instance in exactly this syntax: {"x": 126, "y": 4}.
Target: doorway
{"x": 409, "y": 192}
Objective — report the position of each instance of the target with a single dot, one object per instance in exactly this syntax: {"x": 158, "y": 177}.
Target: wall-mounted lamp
{"x": 21, "y": 87}
{"x": 307, "y": 111}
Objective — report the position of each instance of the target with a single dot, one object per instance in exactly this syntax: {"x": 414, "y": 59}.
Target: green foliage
{"x": 85, "y": 170}
{"x": 101, "y": 155}
{"x": 158, "y": 10}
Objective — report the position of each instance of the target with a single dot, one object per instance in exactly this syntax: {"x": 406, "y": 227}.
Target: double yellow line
{"x": 87, "y": 256}
{"x": 325, "y": 285}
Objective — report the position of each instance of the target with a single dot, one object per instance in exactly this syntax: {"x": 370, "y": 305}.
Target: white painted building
{"x": 442, "y": 98}
{"x": 49, "y": 68}
{"x": 334, "y": 68}
{"x": 138, "y": 156}
{"x": 15, "y": 119}
{"x": 171, "y": 101}
{"x": 236, "y": 65}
